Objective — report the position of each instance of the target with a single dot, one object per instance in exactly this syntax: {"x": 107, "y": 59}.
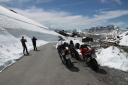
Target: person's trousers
{"x": 25, "y": 50}
{"x": 35, "y": 48}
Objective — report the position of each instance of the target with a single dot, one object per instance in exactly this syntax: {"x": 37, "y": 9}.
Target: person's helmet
{"x": 77, "y": 45}
{"x": 22, "y": 37}
{"x": 65, "y": 44}
{"x": 71, "y": 42}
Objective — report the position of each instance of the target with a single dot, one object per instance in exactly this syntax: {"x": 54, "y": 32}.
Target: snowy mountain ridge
{"x": 10, "y": 14}
{"x": 11, "y": 20}
{"x": 124, "y": 39}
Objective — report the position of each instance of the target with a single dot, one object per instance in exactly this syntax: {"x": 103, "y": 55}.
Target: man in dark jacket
{"x": 23, "y": 41}
{"x": 34, "y": 43}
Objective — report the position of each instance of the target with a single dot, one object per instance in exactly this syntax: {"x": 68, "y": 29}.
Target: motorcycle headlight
{"x": 66, "y": 48}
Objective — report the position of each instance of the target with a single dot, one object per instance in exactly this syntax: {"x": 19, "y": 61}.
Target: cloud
{"x": 103, "y": 1}
{"x": 120, "y": 23}
{"x": 2, "y": 1}
{"x": 106, "y": 15}
{"x": 43, "y": 1}
{"x": 119, "y": 2}
{"x": 24, "y": 1}
{"x": 65, "y": 20}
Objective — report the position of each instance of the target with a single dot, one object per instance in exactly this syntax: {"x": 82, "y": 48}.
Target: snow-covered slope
{"x": 12, "y": 27}
{"x": 11, "y": 20}
{"x": 11, "y": 49}
{"x": 124, "y": 39}
{"x": 113, "y": 57}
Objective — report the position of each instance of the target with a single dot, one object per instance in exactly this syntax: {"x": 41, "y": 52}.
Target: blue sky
{"x": 72, "y": 14}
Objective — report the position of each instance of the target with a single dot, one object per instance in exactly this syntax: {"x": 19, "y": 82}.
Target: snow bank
{"x": 113, "y": 57}
{"x": 11, "y": 48}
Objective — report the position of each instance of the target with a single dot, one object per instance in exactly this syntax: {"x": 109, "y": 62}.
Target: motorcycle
{"x": 65, "y": 57}
{"x": 90, "y": 60}
{"x": 92, "y": 63}
{"x": 75, "y": 54}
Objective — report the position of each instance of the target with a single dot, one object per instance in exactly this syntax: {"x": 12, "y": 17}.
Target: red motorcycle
{"x": 87, "y": 53}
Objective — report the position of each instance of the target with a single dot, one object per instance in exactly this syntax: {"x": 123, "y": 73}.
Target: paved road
{"x": 45, "y": 68}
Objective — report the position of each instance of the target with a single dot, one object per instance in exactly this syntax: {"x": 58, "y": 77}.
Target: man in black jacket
{"x": 34, "y": 43}
{"x": 23, "y": 41}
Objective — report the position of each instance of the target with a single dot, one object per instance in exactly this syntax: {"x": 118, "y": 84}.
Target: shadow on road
{"x": 74, "y": 62}
{"x": 74, "y": 69}
{"x": 102, "y": 71}
{"x": 37, "y": 50}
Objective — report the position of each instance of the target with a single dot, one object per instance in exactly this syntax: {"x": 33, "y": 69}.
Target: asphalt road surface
{"x": 45, "y": 68}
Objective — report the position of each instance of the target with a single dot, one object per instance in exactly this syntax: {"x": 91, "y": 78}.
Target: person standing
{"x": 23, "y": 41}
{"x": 34, "y": 43}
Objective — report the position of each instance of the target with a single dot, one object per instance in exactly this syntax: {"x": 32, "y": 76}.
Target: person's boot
{"x": 36, "y": 49}
{"x": 27, "y": 53}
